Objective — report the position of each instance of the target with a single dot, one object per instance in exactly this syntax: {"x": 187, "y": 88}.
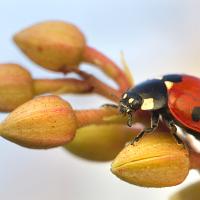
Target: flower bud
{"x": 15, "y": 86}
{"x": 52, "y": 44}
{"x": 100, "y": 142}
{"x": 155, "y": 161}
{"x": 44, "y": 122}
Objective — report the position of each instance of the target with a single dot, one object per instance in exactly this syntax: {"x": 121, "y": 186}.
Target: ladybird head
{"x": 130, "y": 102}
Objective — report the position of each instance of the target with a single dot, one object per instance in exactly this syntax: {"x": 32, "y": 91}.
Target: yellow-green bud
{"x": 155, "y": 161}
{"x": 100, "y": 142}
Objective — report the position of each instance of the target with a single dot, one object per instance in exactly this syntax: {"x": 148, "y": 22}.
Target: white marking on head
{"x": 148, "y": 104}
{"x": 131, "y": 100}
{"x": 125, "y": 95}
{"x": 169, "y": 84}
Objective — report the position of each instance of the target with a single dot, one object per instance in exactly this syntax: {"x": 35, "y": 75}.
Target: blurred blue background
{"x": 157, "y": 37}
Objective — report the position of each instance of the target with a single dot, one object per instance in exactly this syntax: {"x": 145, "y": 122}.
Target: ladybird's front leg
{"x": 130, "y": 119}
{"x": 154, "y": 126}
{"x": 171, "y": 125}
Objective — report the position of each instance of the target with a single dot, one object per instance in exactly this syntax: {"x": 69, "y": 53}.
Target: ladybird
{"x": 173, "y": 98}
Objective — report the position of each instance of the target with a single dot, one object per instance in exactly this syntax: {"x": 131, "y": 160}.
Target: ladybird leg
{"x": 130, "y": 120}
{"x": 173, "y": 130}
{"x": 171, "y": 125}
{"x": 154, "y": 125}
{"x": 107, "y": 105}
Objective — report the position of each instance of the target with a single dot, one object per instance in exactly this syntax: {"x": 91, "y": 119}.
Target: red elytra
{"x": 183, "y": 97}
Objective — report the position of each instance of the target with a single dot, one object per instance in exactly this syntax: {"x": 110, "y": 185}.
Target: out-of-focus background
{"x": 157, "y": 37}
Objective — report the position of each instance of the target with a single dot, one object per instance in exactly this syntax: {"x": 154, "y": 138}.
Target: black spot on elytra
{"x": 175, "y": 78}
{"x": 196, "y": 114}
